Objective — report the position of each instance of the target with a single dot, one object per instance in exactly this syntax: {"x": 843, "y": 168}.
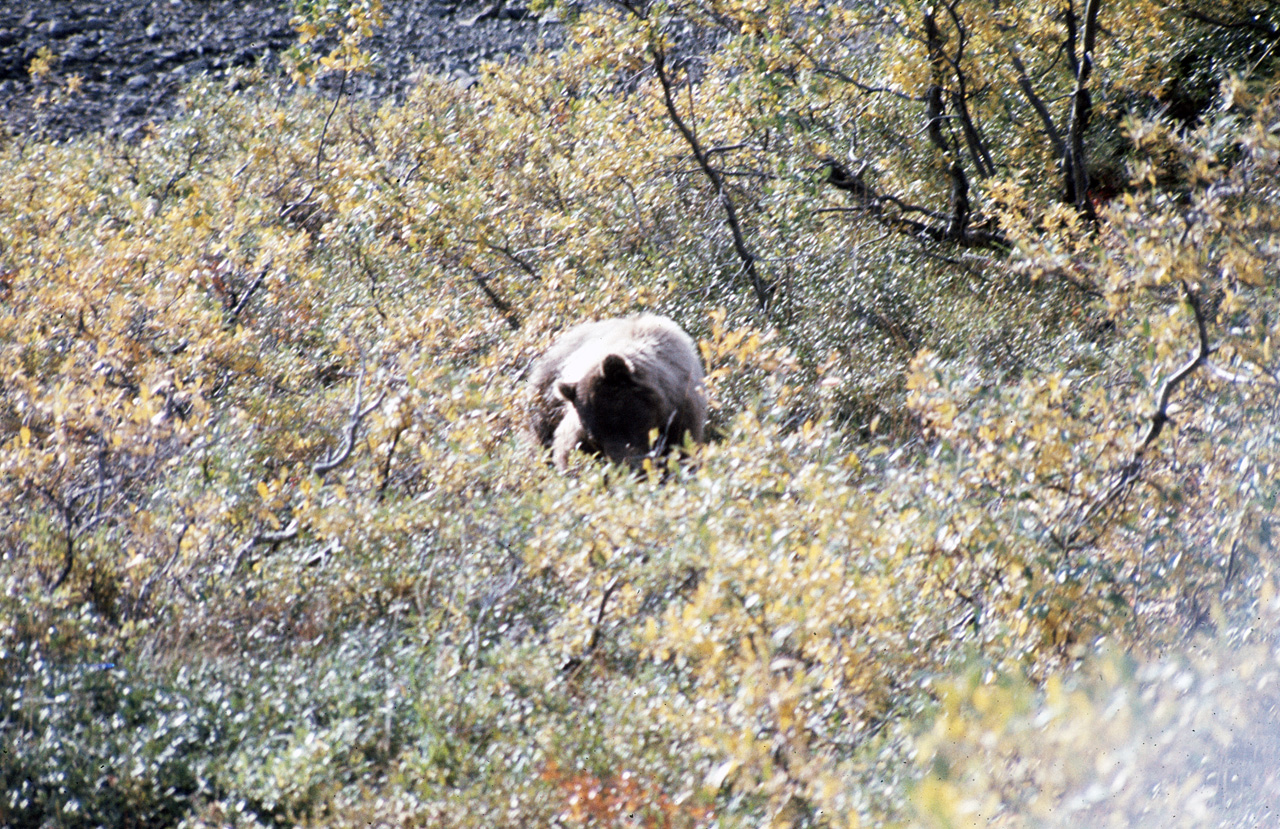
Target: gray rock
{"x": 155, "y": 43}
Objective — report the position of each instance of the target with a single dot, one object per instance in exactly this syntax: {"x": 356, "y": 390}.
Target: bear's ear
{"x": 615, "y": 368}
{"x": 568, "y": 391}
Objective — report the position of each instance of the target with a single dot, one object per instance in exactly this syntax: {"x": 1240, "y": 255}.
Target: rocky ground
{"x": 115, "y": 65}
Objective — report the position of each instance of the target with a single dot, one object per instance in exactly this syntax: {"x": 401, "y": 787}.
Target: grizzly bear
{"x": 605, "y": 387}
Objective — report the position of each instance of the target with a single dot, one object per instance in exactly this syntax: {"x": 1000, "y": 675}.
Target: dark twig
{"x": 728, "y": 148}
{"x": 1050, "y": 130}
{"x": 330, "y": 463}
{"x": 935, "y": 106}
{"x": 604, "y": 602}
{"x": 386, "y": 465}
{"x": 1128, "y": 473}
{"x": 954, "y": 226}
{"x": 80, "y": 518}
{"x": 181, "y": 174}
{"x": 69, "y": 537}
{"x": 978, "y": 151}
{"x": 514, "y": 257}
{"x": 574, "y": 665}
{"x": 828, "y": 71}
{"x": 1073, "y": 58}
{"x": 1254, "y": 23}
{"x": 234, "y": 316}
{"x": 640, "y": 8}
{"x": 1161, "y": 415}
{"x": 324, "y": 129}
{"x": 502, "y": 306}
{"x": 763, "y": 290}
{"x": 1231, "y": 567}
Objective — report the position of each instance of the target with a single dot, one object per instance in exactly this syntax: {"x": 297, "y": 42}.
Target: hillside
{"x": 984, "y": 533}
{"x": 131, "y": 60}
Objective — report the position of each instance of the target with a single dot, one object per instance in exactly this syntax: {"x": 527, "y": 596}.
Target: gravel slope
{"x": 132, "y": 56}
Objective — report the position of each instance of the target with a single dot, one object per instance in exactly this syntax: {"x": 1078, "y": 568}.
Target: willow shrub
{"x": 275, "y": 550}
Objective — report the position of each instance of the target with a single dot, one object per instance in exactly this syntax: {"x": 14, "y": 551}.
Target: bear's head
{"x": 617, "y": 408}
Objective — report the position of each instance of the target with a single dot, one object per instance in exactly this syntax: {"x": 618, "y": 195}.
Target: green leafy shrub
{"x": 261, "y": 439}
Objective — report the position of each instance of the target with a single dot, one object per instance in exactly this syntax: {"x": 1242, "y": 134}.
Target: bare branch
{"x": 1076, "y": 173}
{"x": 953, "y": 226}
{"x": 640, "y": 8}
{"x": 234, "y": 316}
{"x": 604, "y": 602}
{"x": 728, "y": 148}
{"x": 935, "y": 106}
{"x": 1161, "y": 415}
{"x": 978, "y": 151}
{"x": 1073, "y": 59}
{"x": 337, "y": 99}
{"x": 1129, "y": 472}
{"x": 574, "y": 665}
{"x": 159, "y": 572}
{"x": 763, "y": 290}
{"x": 506, "y": 251}
{"x": 1231, "y": 377}
{"x": 289, "y": 533}
{"x": 1024, "y": 83}
{"x": 1251, "y": 23}
{"x": 66, "y": 563}
{"x": 386, "y": 466}
{"x": 69, "y": 536}
{"x": 353, "y": 426}
{"x": 502, "y": 306}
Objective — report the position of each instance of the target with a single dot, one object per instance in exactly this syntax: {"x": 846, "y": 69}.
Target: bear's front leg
{"x": 569, "y": 435}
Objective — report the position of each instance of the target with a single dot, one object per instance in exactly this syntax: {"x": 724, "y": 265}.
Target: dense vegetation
{"x": 987, "y": 294}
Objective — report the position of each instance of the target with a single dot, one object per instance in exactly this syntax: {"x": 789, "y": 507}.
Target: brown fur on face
{"x": 605, "y": 387}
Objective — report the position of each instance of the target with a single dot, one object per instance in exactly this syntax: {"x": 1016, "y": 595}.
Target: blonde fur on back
{"x": 657, "y": 350}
